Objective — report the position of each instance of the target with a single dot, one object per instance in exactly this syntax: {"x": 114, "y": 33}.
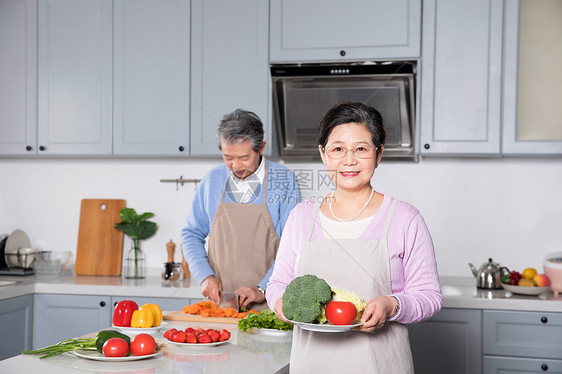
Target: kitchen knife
{"x": 229, "y": 300}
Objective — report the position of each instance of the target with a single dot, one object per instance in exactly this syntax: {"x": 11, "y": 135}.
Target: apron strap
{"x": 313, "y": 221}
{"x": 389, "y": 217}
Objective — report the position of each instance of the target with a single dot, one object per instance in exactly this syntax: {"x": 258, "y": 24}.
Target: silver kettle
{"x": 489, "y": 276}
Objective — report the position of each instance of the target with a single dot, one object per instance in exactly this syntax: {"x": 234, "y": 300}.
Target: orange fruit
{"x": 529, "y": 273}
{"x": 524, "y": 282}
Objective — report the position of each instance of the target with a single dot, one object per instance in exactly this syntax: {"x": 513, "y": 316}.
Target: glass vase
{"x": 135, "y": 262}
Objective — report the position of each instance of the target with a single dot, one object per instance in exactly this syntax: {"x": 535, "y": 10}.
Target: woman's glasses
{"x": 362, "y": 151}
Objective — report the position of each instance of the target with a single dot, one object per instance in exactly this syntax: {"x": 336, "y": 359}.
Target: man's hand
{"x": 249, "y": 295}
{"x": 211, "y": 288}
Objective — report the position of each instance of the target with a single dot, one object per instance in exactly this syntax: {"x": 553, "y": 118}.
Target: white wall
{"x": 508, "y": 209}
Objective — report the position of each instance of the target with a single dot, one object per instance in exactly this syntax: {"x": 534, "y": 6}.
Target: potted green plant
{"x": 138, "y": 228}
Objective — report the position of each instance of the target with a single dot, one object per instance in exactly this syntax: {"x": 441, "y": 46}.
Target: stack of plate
{"x": 17, "y": 250}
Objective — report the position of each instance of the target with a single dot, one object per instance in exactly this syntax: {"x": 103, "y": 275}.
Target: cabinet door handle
{"x": 102, "y": 303}
{"x": 28, "y": 148}
{"x": 427, "y": 146}
{"x": 544, "y": 319}
{"x": 342, "y": 53}
{"x": 544, "y": 367}
{"x": 181, "y": 148}
{"x": 42, "y": 148}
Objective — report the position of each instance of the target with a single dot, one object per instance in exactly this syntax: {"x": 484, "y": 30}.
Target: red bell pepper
{"x": 124, "y": 312}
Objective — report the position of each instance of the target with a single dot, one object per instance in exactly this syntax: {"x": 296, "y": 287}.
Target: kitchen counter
{"x": 458, "y": 292}
{"x": 248, "y": 353}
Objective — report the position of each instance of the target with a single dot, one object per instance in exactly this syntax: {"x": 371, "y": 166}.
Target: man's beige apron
{"x": 242, "y": 243}
{"x": 361, "y": 266}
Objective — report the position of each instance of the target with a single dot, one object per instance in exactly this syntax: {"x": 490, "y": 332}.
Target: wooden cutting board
{"x": 184, "y": 317}
{"x": 100, "y": 245}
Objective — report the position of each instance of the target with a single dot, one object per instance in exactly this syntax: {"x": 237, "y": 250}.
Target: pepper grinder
{"x": 171, "y": 269}
{"x": 185, "y": 266}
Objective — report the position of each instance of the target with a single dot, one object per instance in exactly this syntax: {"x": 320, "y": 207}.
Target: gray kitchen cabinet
{"x": 16, "y": 325}
{"x": 61, "y": 317}
{"x": 461, "y": 77}
{"x": 151, "y": 77}
{"x": 18, "y": 77}
{"x": 524, "y": 340}
{"x": 229, "y": 67}
{"x": 532, "y": 83}
{"x": 166, "y": 304}
{"x": 502, "y": 365}
{"x": 449, "y": 342}
{"x": 75, "y": 77}
{"x": 315, "y": 31}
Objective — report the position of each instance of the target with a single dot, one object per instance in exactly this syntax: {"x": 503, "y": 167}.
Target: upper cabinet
{"x": 229, "y": 67}
{"x": 316, "y": 31}
{"x": 461, "y": 77}
{"x": 18, "y": 77}
{"x": 75, "y": 77}
{"x": 151, "y": 77}
{"x": 532, "y": 90}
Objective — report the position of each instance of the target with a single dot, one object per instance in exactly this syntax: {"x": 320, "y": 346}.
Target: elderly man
{"x": 241, "y": 206}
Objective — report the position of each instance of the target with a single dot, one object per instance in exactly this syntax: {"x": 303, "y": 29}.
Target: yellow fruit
{"x": 524, "y": 282}
{"x": 529, "y": 273}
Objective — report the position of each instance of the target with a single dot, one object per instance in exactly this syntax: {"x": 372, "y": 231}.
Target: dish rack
{"x": 16, "y": 260}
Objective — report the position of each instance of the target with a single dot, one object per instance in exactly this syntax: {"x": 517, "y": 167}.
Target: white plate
{"x": 326, "y": 327}
{"x": 95, "y": 355}
{"x": 132, "y": 331}
{"x": 196, "y": 345}
{"x": 525, "y": 290}
{"x": 17, "y": 239}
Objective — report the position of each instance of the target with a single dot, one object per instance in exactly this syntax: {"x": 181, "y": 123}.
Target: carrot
{"x": 230, "y": 312}
{"x": 205, "y": 313}
{"x": 191, "y": 309}
{"x": 253, "y": 311}
{"x": 241, "y": 315}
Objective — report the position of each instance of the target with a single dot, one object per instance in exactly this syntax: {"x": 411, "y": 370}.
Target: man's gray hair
{"x": 240, "y": 126}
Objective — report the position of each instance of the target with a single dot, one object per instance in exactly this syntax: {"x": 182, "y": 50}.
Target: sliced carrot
{"x": 205, "y": 313}
{"x": 253, "y": 311}
{"x": 241, "y": 315}
{"x": 191, "y": 309}
{"x": 229, "y": 312}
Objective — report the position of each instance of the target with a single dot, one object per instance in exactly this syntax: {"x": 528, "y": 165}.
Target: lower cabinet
{"x": 449, "y": 342}
{"x": 502, "y": 365}
{"x": 15, "y": 323}
{"x": 526, "y": 342}
{"x": 61, "y": 317}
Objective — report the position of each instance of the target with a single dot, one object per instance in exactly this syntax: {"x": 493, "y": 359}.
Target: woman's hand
{"x": 278, "y": 309}
{"x": 211, "y": 288}
{"x": 376, "y": 312}
{"x": 249, "y": 295}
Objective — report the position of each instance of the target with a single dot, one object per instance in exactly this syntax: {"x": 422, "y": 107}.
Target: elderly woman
{"x": 245, "y": 195}
{"x": 361, "y": 240}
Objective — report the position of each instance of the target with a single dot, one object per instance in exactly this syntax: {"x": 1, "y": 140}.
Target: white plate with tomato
{"x": 197, "y": 337}
{"x": 326, "y": 327}
{"x": 95, "y": 355}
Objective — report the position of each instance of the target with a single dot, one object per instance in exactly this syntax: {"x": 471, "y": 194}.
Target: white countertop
{"x": 247, "y": 353}
{"x": 458, "y": 292}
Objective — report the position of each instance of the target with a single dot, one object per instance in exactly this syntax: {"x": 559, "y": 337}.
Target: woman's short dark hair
{"x": 240, "y": 126}
{"x": 353, "y": 112}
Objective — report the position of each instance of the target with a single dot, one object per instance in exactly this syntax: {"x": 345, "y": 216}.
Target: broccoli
{"x": 304, "y": 298}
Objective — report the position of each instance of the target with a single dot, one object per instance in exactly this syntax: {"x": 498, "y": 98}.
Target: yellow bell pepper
{"x": 142, "y": 318}
{"x": 155, "y": 309}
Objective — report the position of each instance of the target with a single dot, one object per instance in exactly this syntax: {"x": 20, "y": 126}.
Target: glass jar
{"x": 135, "y": 263}
{"x": 172, "y": 271}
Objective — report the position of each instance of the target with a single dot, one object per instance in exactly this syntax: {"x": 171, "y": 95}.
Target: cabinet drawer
{"x": 523, "y": 334}
{"x": 500, "y": 365}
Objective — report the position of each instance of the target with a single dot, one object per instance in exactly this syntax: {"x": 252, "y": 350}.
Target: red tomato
{"x": 224, "y": 335}
{"x": 189, "y": 329}
{"x": 115, "y": 347}
{"x": 169, "y": 332}
{"x": 142, "y": 345}
{"x": 180, "y": 337}
{"x": 341, "y": 312}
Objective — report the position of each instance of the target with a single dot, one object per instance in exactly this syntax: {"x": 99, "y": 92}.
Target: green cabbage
{"x": 340, "y": 294}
